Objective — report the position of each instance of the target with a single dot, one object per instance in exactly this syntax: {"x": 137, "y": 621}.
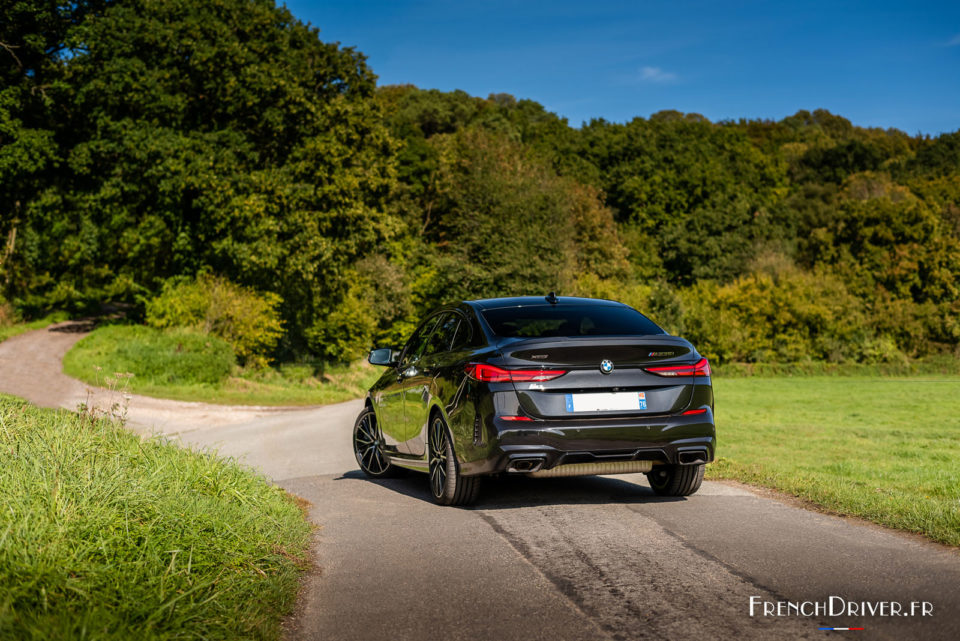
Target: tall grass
{"x": 104, "y": 535}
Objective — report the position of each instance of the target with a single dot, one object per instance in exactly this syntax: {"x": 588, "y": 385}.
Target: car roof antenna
{"x": 552, "y": 298}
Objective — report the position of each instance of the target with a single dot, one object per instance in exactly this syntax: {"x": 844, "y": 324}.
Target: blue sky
{"x": 880, "y": 64}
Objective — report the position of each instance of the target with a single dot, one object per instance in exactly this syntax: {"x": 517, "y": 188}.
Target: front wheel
{"x": 676, "y": 480}
{"x": 368, "y": 446}
{"x": 447, "y": 486}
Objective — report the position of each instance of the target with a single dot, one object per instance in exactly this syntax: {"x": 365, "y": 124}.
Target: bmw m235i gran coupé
{"x": 542, "y": 386}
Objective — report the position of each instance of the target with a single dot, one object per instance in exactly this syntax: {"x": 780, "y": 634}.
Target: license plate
{"x": 606, "y": 402}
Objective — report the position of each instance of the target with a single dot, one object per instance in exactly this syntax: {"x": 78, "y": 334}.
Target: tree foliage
{"x": 220, "y": 136}
{"x": 149, "y": 140}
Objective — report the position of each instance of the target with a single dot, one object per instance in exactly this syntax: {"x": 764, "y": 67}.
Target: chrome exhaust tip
{"x": 525, "y": 465}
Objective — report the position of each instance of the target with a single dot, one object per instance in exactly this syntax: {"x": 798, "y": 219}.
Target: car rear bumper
{"x": 674, "y": 439}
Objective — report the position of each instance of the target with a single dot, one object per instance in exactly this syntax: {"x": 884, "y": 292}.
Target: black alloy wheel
{"x": 676, "y": 480}
{"x": 447, "y": 486}
{"x": 368, "y": 446}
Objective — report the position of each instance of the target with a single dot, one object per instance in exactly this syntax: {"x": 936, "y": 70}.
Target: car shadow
{"x": 510, "y": 492}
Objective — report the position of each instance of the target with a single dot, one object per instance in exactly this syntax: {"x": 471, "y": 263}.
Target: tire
{"x": 676, "y": 480}
{"x": 368, "y": 447}
{"x": 447, "y": 486}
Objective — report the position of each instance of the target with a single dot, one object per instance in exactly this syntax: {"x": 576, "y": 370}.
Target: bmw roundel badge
{"x": 606, "y": 366}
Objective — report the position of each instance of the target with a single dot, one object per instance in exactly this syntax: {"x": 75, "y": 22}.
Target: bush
{"x": 175, "y": 356}
{"x": 790, "y": 316}
{"x": 247, "y": 320}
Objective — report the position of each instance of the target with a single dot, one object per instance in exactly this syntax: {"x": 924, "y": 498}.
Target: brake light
{"x": 701, "y": 368}
{"x": 494, "y": 374}
{"x": 699, "y": 411}
{"x": 516, "y": 418}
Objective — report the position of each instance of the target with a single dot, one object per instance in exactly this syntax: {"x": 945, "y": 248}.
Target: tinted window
{"x": 418, "y": 341}
{"x": 569, "y": 320}
{"x": 464, "y": 333}
{"x": 441, "y": 339}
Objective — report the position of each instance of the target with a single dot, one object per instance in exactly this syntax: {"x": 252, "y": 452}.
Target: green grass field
{"x": 885, "y": 449}
{"x": 192, "y": 367}
{"x": 104, "y": 535}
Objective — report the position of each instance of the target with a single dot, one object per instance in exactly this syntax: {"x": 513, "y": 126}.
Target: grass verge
{"x": 885, "y": 449}
{"x": 192, "y": 367}
{"x": 9, "y": 331}
{"x": 104, "y": 535}
{"x": 943, "y": 364}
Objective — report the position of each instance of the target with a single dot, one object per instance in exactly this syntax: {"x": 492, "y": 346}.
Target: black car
{"x": 542, "y": 386}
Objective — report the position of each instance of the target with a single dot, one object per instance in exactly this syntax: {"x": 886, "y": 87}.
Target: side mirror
{"x": 382, "y": 356}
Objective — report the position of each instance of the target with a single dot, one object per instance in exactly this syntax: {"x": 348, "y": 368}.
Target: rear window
{"x": 569, "y": 320}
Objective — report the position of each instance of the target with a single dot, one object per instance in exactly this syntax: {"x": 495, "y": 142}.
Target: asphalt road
{"x": 574, "y": 558}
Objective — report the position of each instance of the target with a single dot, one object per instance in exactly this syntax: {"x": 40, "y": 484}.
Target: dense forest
{"x": 151, "y": 145}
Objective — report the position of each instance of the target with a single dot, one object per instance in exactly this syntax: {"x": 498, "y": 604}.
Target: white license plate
{"x": 606, "y": 402}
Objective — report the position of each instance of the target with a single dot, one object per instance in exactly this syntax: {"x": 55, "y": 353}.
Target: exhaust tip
{"x": 692, "y": 457}
{"x": 525, "y": 465}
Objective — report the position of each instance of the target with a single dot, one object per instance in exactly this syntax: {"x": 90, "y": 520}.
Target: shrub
{"x": 247, "y": 320}
{"x": 786, "y": 317}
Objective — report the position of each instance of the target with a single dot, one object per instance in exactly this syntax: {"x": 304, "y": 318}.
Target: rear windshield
{"x": 569, "y": 320}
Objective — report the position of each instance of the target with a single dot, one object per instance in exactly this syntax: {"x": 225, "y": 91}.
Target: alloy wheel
{"x": 368, "y": 445}
{"x": 438, "y": 458}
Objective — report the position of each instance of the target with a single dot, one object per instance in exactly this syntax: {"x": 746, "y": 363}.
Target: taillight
{"x": 516, "y": 418}
{"x": 702, "y": 410}
{"x": 494, "y": 374}
{"x": 701, "y": 368}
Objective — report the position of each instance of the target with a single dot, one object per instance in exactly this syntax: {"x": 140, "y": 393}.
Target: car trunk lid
{"x": 622, "y": 386}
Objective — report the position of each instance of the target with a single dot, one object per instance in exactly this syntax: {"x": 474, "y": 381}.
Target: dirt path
{"x": 586, "y": 558}
{"x": 31, "y": 366}
{"x": 280, "y": 442}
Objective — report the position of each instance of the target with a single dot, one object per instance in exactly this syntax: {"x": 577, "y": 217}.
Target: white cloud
{"x": 954, "y": 41}
{"x": 656, "y": 74}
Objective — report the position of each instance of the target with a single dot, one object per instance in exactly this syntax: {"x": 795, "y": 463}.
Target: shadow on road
{"x": 509, "y": 492}
{"x": 107, "y": 314}
{"x": 75, "y": 327}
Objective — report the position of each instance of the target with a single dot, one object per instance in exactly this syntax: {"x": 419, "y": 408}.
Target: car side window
{"x": 415, "y": 346}
{"x": 441, "y": 339}
{"x": 463, "y": 336}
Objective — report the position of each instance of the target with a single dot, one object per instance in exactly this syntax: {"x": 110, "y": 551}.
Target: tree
{"x": 222, "y": 136}
{"x": 508, "y": 224}
{"x": 702, "y": 191}
{"x": 33, "y": 43}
